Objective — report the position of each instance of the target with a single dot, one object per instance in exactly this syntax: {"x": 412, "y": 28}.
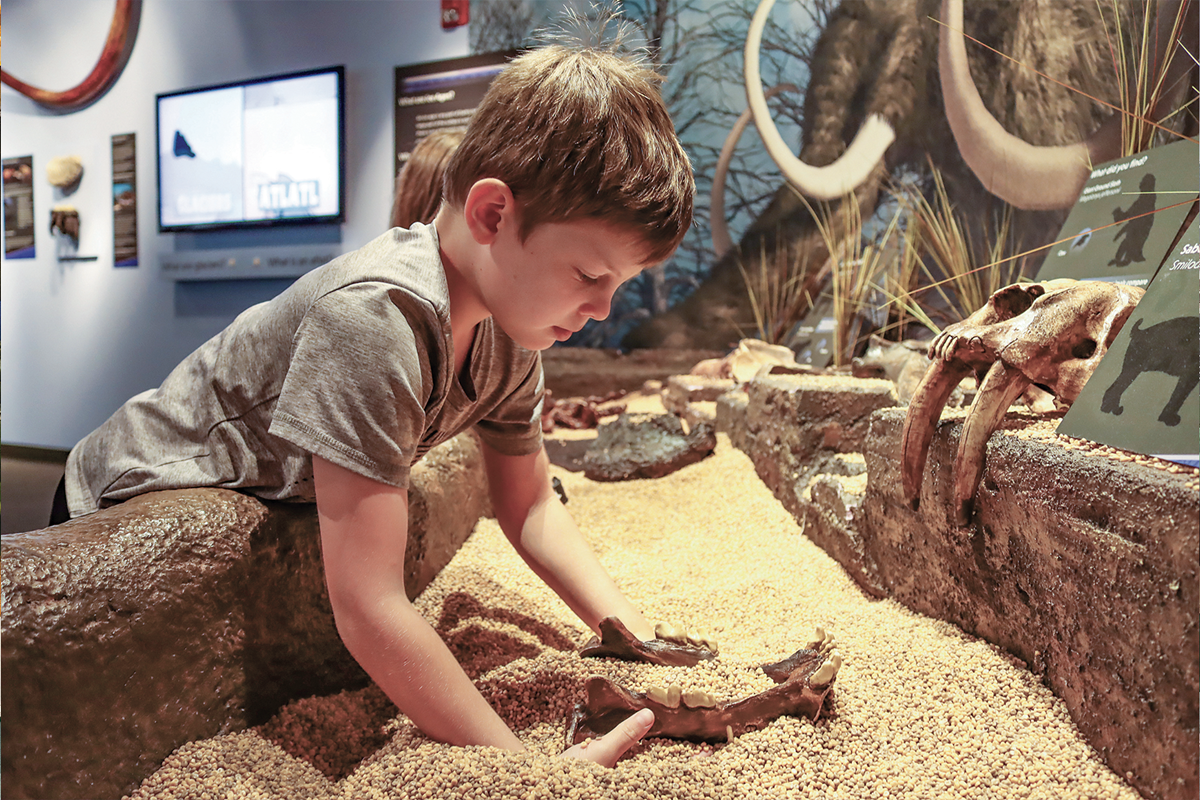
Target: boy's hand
{"x": 606, "y": 750}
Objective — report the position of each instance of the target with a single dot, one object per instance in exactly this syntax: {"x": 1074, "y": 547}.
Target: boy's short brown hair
{"x": 580, "y": 133}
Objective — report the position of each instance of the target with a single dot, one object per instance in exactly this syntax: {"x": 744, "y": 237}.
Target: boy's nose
{"x": 599, "y": 307}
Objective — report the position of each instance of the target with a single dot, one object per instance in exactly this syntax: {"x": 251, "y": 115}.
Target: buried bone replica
{"x": 1050, "y": 334}
{"x": 804, "y": 679}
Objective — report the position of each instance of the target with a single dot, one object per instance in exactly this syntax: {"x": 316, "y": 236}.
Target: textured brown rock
{"x": 180, "y": 615}
{"x": 792, "y": 426}
{"x": 646, "y": 446}
{"x": 1082, "y": 566}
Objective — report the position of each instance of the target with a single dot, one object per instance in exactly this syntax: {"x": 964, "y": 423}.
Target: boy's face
{"x": 544, "y": 289}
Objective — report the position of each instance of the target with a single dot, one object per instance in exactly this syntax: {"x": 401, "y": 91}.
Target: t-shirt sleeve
{"x": 356, "y": 389}
{"x": 514, "y": 426}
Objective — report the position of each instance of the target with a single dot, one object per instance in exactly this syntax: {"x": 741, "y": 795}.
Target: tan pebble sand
{"x": 920, "y": 710}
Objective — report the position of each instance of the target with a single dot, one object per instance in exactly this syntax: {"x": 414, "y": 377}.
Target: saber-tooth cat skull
{"x": 1050, "y": 334}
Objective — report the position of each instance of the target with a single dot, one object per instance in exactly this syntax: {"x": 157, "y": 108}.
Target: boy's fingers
{"x": 629, "y": 732}
{"x": 610, "y": 747}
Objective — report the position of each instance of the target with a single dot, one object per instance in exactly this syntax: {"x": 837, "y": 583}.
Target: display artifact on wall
{"x": 439, "y": 96}
{"x": 1144, "y": 397}
{"x": 118, "y": 46}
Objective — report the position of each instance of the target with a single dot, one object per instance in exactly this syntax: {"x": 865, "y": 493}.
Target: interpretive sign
{"x": 1143, "y": 396}
{"x": 1126, "y": 217}
{"x": 124, "y": 177}
{"x": 18, "y": 207}
{"x": 440, "y": 96}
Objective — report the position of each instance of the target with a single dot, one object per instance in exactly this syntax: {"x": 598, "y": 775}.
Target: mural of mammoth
{"x": 892, "y": 90}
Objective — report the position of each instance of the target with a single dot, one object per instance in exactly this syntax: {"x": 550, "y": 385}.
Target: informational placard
{"x": 18, "y": 207}
{"x": 1127, "y": 216}
{"x": 232, "y": 263}
{"x": 1143, "y": 396}
{"x": 440, "y": 96}
{"x": 124, "y": 197}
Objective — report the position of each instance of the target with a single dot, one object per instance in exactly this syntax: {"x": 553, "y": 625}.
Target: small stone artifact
{"x": 1050, "y": 334}
{"x": 749, "y": 358}
{"x": 804, "y": 680}
{"x": 65, "y": 172}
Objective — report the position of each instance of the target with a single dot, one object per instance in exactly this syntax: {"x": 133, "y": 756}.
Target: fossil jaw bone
{"x": 616, "y": 641}
{"x": 681, "y": 635}
{"x": 805, "y": 680}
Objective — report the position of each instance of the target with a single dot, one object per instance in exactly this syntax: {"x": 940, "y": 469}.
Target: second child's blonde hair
{"x": 418, "y": 191}
{"x": 578, "y": 133}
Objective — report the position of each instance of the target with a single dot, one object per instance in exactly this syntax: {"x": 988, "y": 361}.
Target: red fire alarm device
{"x": 455, "y": 13}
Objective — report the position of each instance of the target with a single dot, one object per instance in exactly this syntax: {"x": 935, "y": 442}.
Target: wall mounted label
{"x": 124, "y": 175}
{"x": 440, "y": 96}
{"x": 1143, "y": 396}
{"x": 1126, "y": 217}
{"x": 287, "y": 261}
{"x": 18, "y": 207}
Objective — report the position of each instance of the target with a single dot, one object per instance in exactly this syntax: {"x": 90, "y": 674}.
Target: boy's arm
{"x": 364, "y": 530}
{"x": 547, "y": 538}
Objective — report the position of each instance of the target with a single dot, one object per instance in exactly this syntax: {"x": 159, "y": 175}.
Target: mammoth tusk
{"x": 823, "y": 183}
{"x": 924, "y": 411}
{"x": 117, "y": 48}
{"x": 1002, "y": 385}
{"x": 1017, "y": 172}
{"x": 721, "y": 241}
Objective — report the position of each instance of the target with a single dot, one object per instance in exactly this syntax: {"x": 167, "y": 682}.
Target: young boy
{"x": 568, "y": 182}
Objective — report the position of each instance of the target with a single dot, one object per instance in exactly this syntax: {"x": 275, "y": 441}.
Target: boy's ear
{"x": 489, "y": 206}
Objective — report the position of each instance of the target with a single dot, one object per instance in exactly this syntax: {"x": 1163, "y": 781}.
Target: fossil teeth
{"x": 820, "y": 640}
{"x": 668, "y": 697}
{"x": 667, "y": 631}
{"x": 657, "y": 694}
{"x": 826, "y": 672}
{"x": 702, "y": 639}
{"x": 698, "y": 699}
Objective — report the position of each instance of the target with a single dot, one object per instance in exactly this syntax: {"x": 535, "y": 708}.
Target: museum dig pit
{"x": 919, "y": 708}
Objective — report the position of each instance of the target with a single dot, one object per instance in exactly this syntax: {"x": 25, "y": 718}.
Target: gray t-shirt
{"x": 354, "y": 363}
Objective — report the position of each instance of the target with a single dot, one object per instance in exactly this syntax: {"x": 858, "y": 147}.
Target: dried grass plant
{"x": 779, "y": 287}
{"x": 961, "y": 271}
{"x": 1141, "y": 72}
{"x": 855, "y": 270}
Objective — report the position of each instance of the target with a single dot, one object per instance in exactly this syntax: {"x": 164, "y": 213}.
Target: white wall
{"x": 80, "y": 338}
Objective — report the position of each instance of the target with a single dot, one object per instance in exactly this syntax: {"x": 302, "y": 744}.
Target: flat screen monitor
{"x": 267, "y": 151}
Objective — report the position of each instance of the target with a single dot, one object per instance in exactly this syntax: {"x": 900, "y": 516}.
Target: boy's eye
{"x": 585, "y": 278}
